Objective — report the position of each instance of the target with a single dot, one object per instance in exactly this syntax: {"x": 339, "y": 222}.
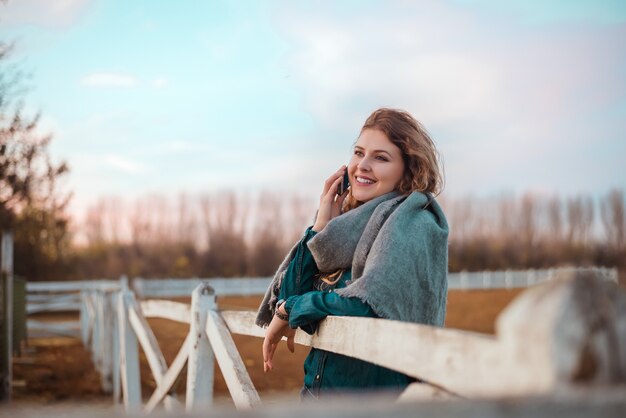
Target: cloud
{"x": 112, "y": 79}
{"x": 109, "y": 80}
{"x": 124, "y": 164}
{"x": 501, "y": 95}
{"x": 160, "y": 82}
{"x": 49, "y": 14}
{"x": 554, "y": 11}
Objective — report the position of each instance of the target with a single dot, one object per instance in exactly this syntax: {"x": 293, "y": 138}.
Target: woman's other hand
{"x": 330, "y": 203}
{"x": 277, "y": 329}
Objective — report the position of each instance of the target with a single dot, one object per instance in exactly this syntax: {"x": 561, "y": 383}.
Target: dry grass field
{"x": 60, "y": 369}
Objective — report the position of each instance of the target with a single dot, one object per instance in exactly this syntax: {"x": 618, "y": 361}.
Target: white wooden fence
{"x": 65, "y": 295}
{"x": 114, "y": 325}
{"x": 564, "y": 334}
{"x": 504, "y": 279}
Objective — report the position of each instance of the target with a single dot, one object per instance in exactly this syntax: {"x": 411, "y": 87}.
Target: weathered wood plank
{"x": 590, "y": 312}
{"x": 200, "y": 363}
{"x": 115, "y": 343}
{"x": 242, "y": 322}
{"x": 106, "y": 338}
{"x": 240, "y": 386}
{"x": 52, "y": 297}
{"x": 65, "y": 328}
{"x": 84, "y": 319}
{"x": 447, "y": 358}
{"x": 150, "y": 347}
{"x": 244, "y": 286}
{"x": 129, "y": 357}
{"x": 170, "y": 377}
{"x": 6, "y": 316}
{"x": 52, "y": 307}
{"x": 577, "y": 325}
{"x": 72, "y": 285}
{"x": 174, "y": 311}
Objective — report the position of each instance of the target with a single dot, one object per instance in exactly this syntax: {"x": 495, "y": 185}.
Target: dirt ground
{"x": 52, "y": 370}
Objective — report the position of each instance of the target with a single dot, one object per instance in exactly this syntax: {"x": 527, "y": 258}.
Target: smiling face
{"x": 376, "y": 166}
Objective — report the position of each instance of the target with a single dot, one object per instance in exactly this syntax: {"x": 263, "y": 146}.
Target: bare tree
{"x": 186, "y": 230}
{"x": 114, "y": 209}
{"x": 527, "y": 219}
{"x": 204, "y": 203}
{"x": 507, "y": 209}
{"x": 267, "y": 249}
{"x": 226, "y": 219}
{"x": 555, "y": 219}
{"x": 614, "y": 218}
{"x": 301, "y": 212}
{"x": 93, "y": 225}
{"x": 139, "y": 223}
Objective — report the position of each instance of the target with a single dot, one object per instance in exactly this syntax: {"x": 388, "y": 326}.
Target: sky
{"x": 199, "y": 96}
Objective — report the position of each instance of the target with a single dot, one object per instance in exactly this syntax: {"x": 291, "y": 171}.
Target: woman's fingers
{"x": 340, "y": 199}
{"x": 268, "y": 364}
{"x": 268, "y": 354}
{"x": 332, "y": 191}
{"x": 275, "y": 331}
{"x": 332, "y": 179}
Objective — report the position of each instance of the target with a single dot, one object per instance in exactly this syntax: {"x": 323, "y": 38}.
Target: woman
{"x": 377, "y": 250}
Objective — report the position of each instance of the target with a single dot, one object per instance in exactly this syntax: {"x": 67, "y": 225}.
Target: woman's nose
{"x": 364, "y": 164}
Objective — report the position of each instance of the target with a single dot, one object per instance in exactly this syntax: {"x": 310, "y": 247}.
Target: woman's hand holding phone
{"x": 330, "y": 201}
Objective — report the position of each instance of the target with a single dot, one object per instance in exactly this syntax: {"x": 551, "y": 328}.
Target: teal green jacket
{"x": 308, "y": 301}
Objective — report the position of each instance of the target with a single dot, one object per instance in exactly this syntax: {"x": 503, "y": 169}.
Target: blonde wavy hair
{"x": 423, "y": 166}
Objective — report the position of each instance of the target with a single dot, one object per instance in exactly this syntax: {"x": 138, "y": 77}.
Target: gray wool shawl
{"x": 397, "y": 248}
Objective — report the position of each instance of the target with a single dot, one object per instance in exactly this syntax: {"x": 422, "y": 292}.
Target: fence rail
{"x": 561, "y": 318}
{"x": 65, "y": 296}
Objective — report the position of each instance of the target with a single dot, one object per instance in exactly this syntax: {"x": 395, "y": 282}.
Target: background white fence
{"x": 505, "y": 279}
{"x": 65, "y": 295}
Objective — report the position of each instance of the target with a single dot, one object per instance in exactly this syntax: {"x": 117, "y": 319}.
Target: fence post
{"x": 138, "y": 287}
{"x": 95, "y": 331}
{"x": 6, "y": 316}
{"x": 83, "y": 319}
{"x": 115, "y": 341}
{"x": 129, "y": 355}
{"x": 200, "y": 366}
{"x": 108, "y": 314}
{"x": 463, "y": 280}
{"x": 575, "y": 325}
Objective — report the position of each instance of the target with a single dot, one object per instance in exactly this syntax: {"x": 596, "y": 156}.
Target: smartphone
{"x": 345, "y": 183}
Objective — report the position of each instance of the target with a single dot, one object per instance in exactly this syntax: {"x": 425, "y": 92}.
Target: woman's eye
{"x": 357, "y": 152}
{"x": 381, "y": 158}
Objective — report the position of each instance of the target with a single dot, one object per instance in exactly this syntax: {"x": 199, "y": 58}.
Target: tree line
{"x": 537, "y": 231}
{"x": 219, "y": 235}
{"x": 228, "y": 234}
